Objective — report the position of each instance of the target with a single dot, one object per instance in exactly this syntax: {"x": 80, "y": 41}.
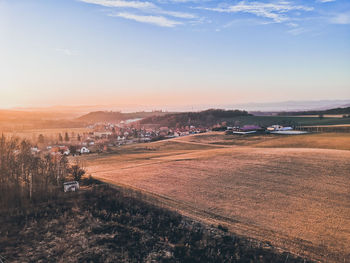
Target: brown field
{"x": 296, "y": 197}
{"x": 338, "y": 141}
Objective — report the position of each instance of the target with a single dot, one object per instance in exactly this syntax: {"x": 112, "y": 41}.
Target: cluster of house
{"x": 60, "y": 150}
{"x": 66, "y": 150}
{"x": 104, "y": 136}
{"x": 274, "y": 129}
{"x": 177, "y": 132}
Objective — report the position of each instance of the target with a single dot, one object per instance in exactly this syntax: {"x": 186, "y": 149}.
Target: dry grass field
{"x": 294, "y": 193}
{"x": 338, "y": 141}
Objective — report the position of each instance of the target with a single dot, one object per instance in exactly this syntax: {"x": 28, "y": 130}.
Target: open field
{"x": 338, "y": 141}
{"x": 296, "y": 198}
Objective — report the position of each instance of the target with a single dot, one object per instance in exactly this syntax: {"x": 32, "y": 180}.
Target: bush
{"x": 76, "y": 172}
{"x": 223, "y": 228}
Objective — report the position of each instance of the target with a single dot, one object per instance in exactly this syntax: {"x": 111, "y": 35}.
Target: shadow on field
{"x": 105, "y": 224}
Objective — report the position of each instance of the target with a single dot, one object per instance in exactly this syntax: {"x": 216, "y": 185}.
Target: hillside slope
{"x": 202, "y": 118}
{"x": 108, "y": 225}
{"x": 116, "y": 116}
{"x": 345, "y": 110}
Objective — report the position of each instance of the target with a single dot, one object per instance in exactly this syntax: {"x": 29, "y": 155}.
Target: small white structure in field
{"x": 279, "y": 128}
{"x": 274, "y": 128}
{"x": 84, "y": 150}
{"x": 71, "y": 186}
{"x": 287, "y": 132}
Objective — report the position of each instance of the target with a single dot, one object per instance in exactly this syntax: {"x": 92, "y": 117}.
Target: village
{"x": 103, "y": 137}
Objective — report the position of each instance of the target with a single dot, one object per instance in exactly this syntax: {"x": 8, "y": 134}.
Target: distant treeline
{"x": 115, "y": 116}
{"x": 26, "y": 178}
{"x": 322, "y": 112}
{"x": 203, "y": 118}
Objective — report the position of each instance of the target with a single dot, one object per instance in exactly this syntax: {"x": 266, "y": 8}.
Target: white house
{"x": 34, "y": 150}
{"x": 84, "y": 150}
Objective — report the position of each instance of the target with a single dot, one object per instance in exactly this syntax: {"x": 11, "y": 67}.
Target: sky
{"x": 172, "y": 52}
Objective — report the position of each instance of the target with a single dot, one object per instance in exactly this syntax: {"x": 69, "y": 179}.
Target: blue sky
{"x": 172, "y": 52}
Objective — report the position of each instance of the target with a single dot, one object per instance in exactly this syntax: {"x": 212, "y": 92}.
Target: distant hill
{"x": 320, "y": 112}
{"x": 117, "y": 116}
{"x": 202, "y": 118}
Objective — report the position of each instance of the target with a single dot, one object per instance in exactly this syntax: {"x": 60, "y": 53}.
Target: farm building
{"x": 279, "y": 128}
{"x": 70, "y": 186}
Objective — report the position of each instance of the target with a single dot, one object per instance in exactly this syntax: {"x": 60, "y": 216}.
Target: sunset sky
{"x": 172, "y": 52}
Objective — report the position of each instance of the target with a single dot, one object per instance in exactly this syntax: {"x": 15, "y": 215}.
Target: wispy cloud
{"x": 325, "y": 1}
{"x": 170, "y": 13}
{"x": 149, "y": 19}
{"x": 341, "y": 19}
{"x": 146, "y": 7}
{"x": 246, "y": 22}
{"x": 120, "y": 3}
{"x": 278, "y": 12}
{"x": 297, "y": 31}
{"x": 176, "y": 14}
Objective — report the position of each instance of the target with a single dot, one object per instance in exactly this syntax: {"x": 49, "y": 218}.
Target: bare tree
{"x": 25, "y": 176}
{"x": 77, "y": 170}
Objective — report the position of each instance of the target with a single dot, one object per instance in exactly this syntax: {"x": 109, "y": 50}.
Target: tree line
{"x": 317, "y": 112}
{"x": 26, "y": 177}
{"x": 202, "y": 118}
{"x": 114, "y": 116}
